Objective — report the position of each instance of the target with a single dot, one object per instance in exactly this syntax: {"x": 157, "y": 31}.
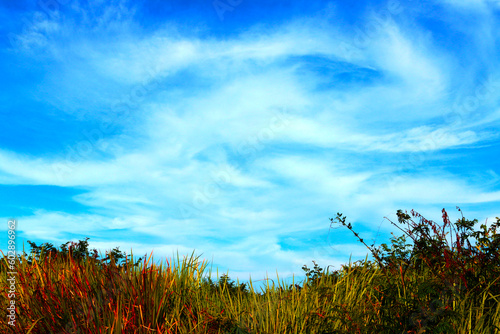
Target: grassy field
{"x": 426, "y": 288}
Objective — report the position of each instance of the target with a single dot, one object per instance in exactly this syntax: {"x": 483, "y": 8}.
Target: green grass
{"x": 430, "y": 288}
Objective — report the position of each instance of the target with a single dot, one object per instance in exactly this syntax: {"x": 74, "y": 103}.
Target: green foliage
{"x": 313, "y": 275}
{"x": 226, "y": 284}
{"x": 451, "y": 272}
{"x": 78, "y": 252}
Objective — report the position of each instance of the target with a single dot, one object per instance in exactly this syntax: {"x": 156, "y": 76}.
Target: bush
{"x": 77, "y": 251}
{"x": 446, "y": 274}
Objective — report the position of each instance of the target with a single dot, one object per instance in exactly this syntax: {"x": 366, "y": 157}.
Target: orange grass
{"x": 427, "y": 287}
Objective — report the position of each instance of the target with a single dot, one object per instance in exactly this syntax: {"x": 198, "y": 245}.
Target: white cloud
{"x": 252, "y": 145}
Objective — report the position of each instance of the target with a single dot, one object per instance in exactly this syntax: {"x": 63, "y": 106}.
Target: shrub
{"x": 450, "y": 273}
{"x": 225, "y": 283}
{"x": 77, "y": 251}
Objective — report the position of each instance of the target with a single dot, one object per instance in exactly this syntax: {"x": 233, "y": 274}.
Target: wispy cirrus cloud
{"x": 241, "y": 143}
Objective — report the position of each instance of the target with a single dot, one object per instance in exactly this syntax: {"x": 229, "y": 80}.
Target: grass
{"x": 427, "y": 287}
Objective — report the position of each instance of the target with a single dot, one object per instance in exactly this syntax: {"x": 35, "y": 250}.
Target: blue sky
{"x": 238, "y": 128}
